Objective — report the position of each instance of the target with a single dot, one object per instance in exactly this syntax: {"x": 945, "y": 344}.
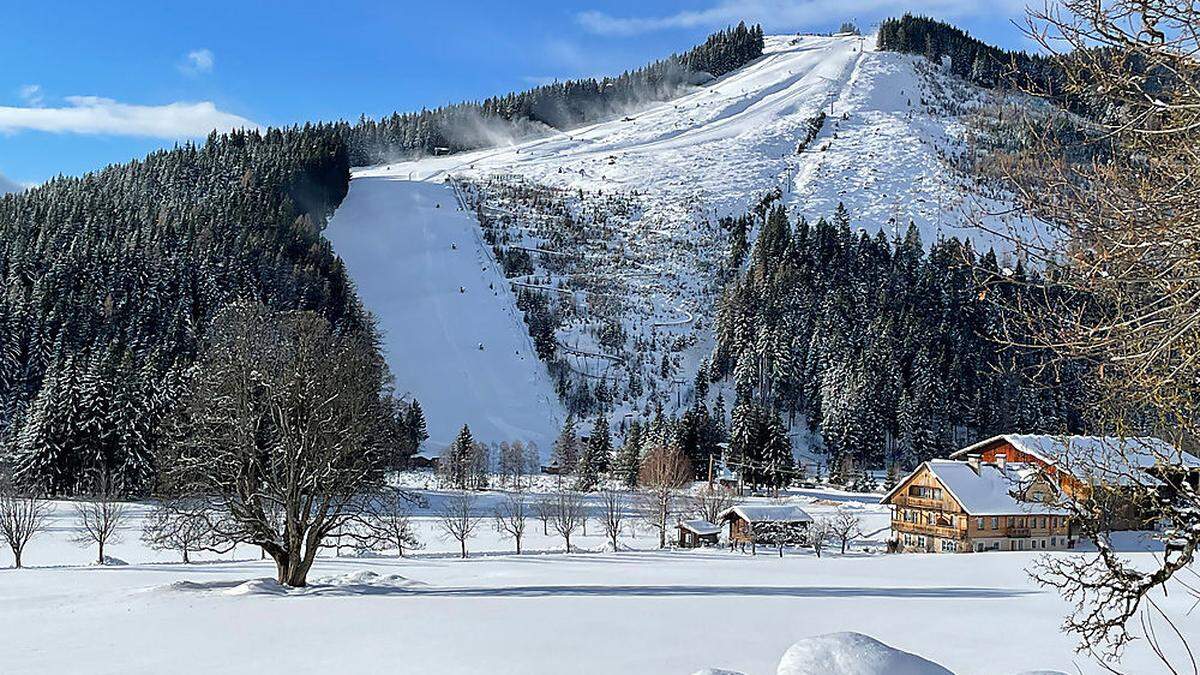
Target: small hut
{"x": 697, "y": 533}
{"x": 743, "y": 518}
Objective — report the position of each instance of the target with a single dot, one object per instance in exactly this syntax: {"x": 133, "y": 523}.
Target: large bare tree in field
{"x": 287, "y": 423}
{"x": 23, "y": 514}
{"x": 1116, "y": 183}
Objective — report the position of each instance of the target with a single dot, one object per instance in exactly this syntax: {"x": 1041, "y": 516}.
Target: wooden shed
{"x": 744, "y": 517}
{"x": 697, "y": 533}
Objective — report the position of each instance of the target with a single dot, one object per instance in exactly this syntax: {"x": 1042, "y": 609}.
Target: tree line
{"x": 558, "y": 105}
{"x": 970, "y": 58}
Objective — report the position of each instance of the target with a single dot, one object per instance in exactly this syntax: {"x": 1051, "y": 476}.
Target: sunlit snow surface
{"x": 736, "y": 138}
{"x": 452, "y": 335}
{"x": 592, "y": 612}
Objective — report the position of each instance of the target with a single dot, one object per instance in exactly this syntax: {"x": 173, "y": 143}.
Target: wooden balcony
{"x": 930, "y": 530}
{"x": 908, "y": 501}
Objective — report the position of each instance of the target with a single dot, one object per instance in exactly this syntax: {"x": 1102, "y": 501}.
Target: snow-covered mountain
{"x": 631, "y": 206}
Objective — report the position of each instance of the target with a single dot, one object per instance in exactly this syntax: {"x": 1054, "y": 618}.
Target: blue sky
{"x": 84, "y": 84}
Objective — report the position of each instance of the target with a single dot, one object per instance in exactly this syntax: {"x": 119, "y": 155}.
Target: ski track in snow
{"x": 409, "y": 249}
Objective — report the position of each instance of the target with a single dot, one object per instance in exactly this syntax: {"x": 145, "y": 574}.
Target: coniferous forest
{"x": 109, "y": 281}
{"x": 971, "y": 59}
{"x": 893, "y": 353}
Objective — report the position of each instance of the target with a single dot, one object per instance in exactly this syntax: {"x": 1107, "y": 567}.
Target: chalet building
{"x": 697, "y": 533}
{"x": 743, "y": 518}
{"x": 1087, "y": 467}
{"x": 949, "y": 506}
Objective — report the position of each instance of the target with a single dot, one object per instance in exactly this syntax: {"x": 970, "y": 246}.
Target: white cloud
{"x": 31, "y": 94}
{"x": 784, "y": 15}
{"x": 198, "y": 62}
{"x": 96, "y": 115}
{"x": 7, "y": 185}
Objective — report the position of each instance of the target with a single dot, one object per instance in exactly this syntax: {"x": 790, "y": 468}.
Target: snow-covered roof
{"x": 700, "y": 526}
{"x": 768, "y": 513}
{"x": 991, "y": 492}
{"x": 1091, "y": 458}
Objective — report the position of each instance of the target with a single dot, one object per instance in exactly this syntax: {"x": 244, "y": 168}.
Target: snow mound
{"x": 852, "y": 654}
{"x": 717, "y": 671}
{"x": 262, "y": 586}
{"x": 110, "y": 561}
{"x": 366, "y": 578}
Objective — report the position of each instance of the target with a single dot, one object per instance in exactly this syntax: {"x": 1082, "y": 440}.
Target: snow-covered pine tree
{"x": 628, "y": 461}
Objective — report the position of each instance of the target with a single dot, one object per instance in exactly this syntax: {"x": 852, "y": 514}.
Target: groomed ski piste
{"x": 681, "y": 165}
{"x": 451, "y": 333}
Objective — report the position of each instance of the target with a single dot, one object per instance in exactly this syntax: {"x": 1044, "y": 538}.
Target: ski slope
{"x": 678, "y": 166}
{"x": 465, "y": 355}
{"x": 730, "y": 141}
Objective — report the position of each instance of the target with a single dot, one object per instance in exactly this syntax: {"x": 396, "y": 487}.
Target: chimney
{"x": 1001, "y": 460}
{"x": 973, "y": 460}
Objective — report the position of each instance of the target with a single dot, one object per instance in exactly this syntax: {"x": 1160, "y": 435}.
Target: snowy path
{"x": 409, "y": 249}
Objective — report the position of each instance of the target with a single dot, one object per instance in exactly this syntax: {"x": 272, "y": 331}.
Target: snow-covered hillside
{"x": 451, "y": 333}
{"x": 737, "y": 137}
{"x": 620, "y": 222}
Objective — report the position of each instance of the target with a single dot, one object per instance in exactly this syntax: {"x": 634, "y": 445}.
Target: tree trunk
{"x": 518, "y": 546}
{"x": 100, "y": 558}
{"x": 567, "y": 538}
{"x": 185, "y": 555}
{"x": 17, "y": 556}
{"x": 463, "y": 543}
{"x": 291, "y": 570}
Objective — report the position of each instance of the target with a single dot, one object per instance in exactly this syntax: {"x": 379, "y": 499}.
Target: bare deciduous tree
{"x": 612, "y": 505}
{"x": 543, "y": 508}
{"x": 511, "y": 516}
{"x": 845, "y": 526}
{"x": 384, "y": 521}
{"x": 99, "y": 514}
{"x": 183, "y": 525}
{"x": 1116, "y": 185}
{"x": 23, "y": 514}
{"x": 568, "y": 514}
{"x": 516, "y": 462}
{"x": 457, "y": 518}
{"x": 710, "y": 501}
{"x": 817, "y": 534}
{"x": 286, "y": 423}
{"x": 664, "y": 471}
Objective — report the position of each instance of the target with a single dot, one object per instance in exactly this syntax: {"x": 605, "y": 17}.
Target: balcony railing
{"x": 930, "y": 530}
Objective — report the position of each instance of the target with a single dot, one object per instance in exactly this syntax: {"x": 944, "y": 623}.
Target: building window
{"x": 980, "y": 524}
{"x": 995, "y": 523}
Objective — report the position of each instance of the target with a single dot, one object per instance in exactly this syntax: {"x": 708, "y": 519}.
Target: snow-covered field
{"x": 635, "y": 611}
